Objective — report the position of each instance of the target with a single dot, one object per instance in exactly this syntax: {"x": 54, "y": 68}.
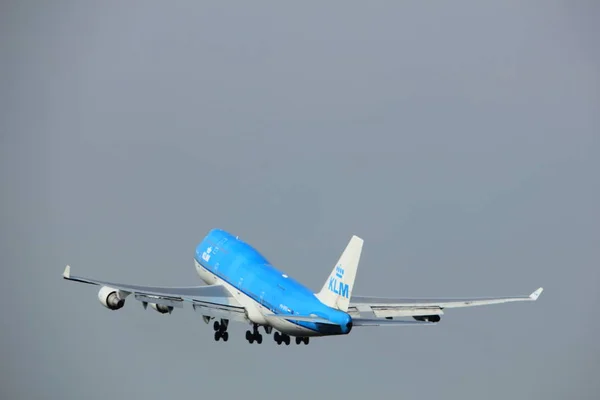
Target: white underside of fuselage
{"x": 255, "y": 312}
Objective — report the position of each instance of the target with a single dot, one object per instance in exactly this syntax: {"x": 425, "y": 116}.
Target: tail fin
{"x": 337, "y": 290}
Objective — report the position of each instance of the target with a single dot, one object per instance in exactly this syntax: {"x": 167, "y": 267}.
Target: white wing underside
{"x": 383, "y": 307}
{"x": 212, "y": 300}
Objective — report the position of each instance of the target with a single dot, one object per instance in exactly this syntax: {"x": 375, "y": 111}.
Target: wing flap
{"x": 165, "y": 301}
{"x": 220, "y": 311}
{"x": 393, "y": 311}
{"x": 385, "y": 306}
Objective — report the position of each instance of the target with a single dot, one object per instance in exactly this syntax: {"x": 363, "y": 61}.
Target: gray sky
{"x": 459, "y": 139}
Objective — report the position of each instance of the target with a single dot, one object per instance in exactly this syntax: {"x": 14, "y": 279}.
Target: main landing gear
{"x": 221, "y": 330}
{"x": 285, "y": 338}
{"x": 301, "y": 340}
{"x": 281, "y": 338}
{"x": 254, "y": 336}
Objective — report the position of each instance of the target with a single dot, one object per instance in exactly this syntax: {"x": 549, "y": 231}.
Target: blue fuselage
{"x": 245, "y": 269}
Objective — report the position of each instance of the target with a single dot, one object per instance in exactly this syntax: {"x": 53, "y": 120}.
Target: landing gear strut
{"x": 254, "y": 336}
{"x": 221, "y": 330}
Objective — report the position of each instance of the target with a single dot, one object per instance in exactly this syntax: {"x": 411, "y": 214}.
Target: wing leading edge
{"x": 211, "y": 300}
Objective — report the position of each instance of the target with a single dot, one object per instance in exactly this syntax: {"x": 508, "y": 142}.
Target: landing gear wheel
{"x": 216, "y": 326}
{"x": 298, "y": 340}
{"x": 286, "y": 339}
{"x": 218, "y": 336}
{"x": 277, "y": 337}
{"x": 306, "y": 340}
{"x": 225, "y": 336}
{"x": 254, "y": 335}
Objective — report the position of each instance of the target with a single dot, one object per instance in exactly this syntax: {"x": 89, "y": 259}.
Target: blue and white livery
{"x": 242, "y": 285}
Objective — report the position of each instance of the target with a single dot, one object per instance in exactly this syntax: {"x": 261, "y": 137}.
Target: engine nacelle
{"x": 110, "y": 298}
{"x": 161, "y": 308}
{"x": 428, "y": 318}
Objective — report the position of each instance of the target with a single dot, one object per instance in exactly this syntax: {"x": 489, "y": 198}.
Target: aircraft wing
{"x": 403, "y": 307}
{"x": 386, "y": 322}
{"x": 212, "y": 300}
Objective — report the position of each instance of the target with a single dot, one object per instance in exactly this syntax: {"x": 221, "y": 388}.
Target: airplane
{"x": 242, "y": 285}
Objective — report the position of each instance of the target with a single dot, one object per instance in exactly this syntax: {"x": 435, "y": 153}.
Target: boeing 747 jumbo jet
{"x": 242, "y": 285}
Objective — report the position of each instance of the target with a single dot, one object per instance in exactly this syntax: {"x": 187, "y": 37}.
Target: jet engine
{"x": 161, "y": 308}
{"x": 428, "y": 318}
{"x": 110, "y": 299}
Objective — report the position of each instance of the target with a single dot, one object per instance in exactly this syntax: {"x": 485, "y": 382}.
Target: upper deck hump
{"x": 229, "y": 242}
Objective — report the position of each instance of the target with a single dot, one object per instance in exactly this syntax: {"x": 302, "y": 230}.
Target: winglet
{"x": 534, "y": 296}
{"x": 67, "y": 272}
